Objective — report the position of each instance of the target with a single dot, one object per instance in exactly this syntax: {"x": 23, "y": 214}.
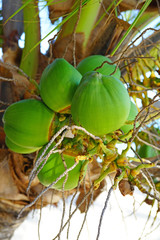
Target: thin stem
{"x": 70, "y": 208}
{"x": 86, "y": 196}
{"x": 40, "y": 159}
{"x": 46, "y": 189}
{"x": 63, "y": 197}
{"x": 86, "y": 211}
{"x": 148, "y": 144}
{"x": 7, "y": 79}
{"x": 103, "y": 210}
{"x": 4, "y": 103}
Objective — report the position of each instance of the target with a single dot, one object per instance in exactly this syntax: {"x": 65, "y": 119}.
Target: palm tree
{"x": 83, "y": 28}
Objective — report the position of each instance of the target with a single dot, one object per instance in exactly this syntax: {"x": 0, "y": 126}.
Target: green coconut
{"x": 28, "y": 123}
{"x": 54, "y": 167}
{"x": 94, "y": 61}
{"x": 131, "y": 117}
{"x": 18, "y": 149}
{"x": 146, "y": 151}
{"x": 101, "y": 104}
{"x": 58, "y": 84}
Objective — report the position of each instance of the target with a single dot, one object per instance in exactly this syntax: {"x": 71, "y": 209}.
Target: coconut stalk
{"x": 29, "y": 60}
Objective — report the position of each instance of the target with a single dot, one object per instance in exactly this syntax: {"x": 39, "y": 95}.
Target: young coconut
{"x": 90, "y": 63}
{"x": 28, "y": 123}
{"x": 54, "y": 167}
{"x": 131, "y": 117}
{"x": 146, "y": 151}
{"x": 18, "y": 149}
{"x": 101, "y": 104}
{"x": 58, "y": 84}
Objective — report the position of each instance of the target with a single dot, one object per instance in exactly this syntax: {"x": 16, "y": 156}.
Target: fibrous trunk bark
{"x": 8, "y": 219}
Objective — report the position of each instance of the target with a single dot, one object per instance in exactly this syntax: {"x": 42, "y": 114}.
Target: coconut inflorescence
{"x": 91, "y": 97}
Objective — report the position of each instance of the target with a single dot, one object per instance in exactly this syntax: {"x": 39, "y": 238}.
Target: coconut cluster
{"x": 91, "y": 94}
